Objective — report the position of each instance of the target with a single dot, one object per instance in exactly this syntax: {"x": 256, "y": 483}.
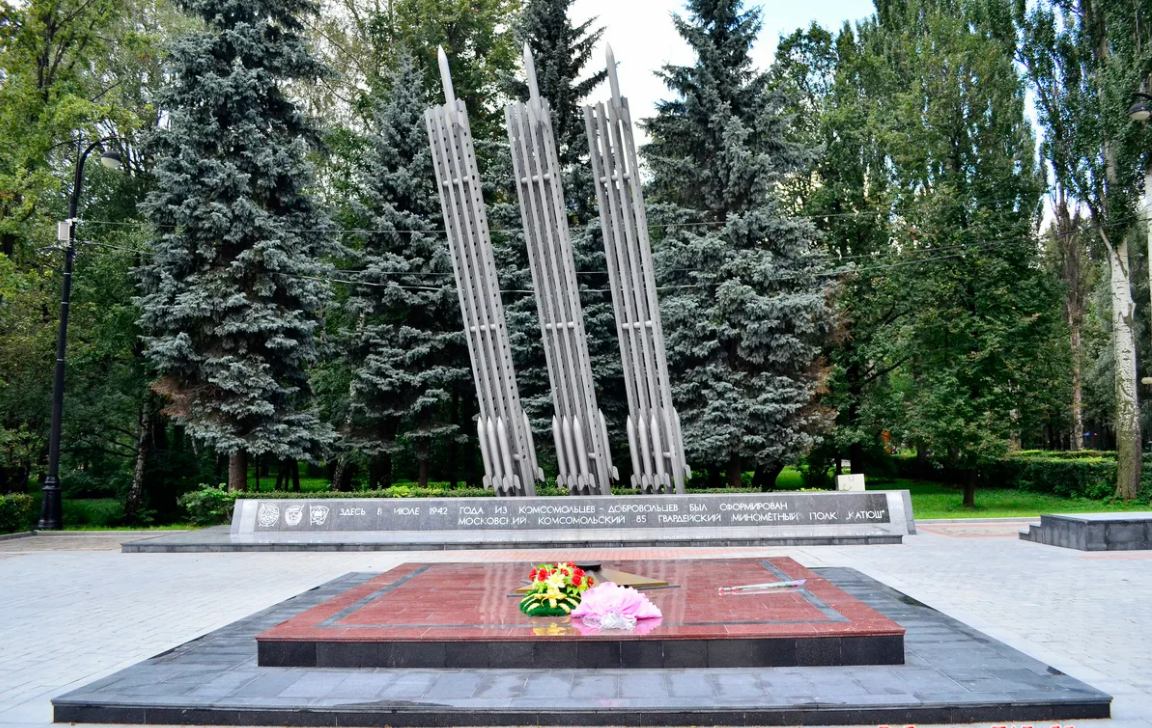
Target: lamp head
{"x": 110, "y": 159}
{"x": 1140, "y": 109}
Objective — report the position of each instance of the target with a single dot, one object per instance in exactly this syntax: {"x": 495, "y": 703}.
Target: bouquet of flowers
{"x": 555, "y": 590}
{"x": 611, "y": 606}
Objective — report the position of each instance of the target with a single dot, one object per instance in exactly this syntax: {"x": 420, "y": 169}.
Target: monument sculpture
{"x": 578, "y": 427}
{"x": 502, "y": 429}
{"x": 653, "y": 427}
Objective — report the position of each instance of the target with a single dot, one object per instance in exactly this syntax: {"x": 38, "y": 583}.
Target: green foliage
{"x": 1089, "y": 474}
{"x": 403, "y": 340}
{"x": 481, "y": 48}
{"x": 96, "y": 513}
{"x": 17, "y": 512}
{"x": 231, "y": 296}
{"x": 744, "y": 308}
{"x": 939, "y": 500}
{"x": 209, "y": 505}
{"x": 1084, "y": 61}
{"x": 816, "y": 471}
{"x": 977, "y": 320}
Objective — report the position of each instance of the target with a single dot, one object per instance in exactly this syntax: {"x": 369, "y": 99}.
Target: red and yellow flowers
{"x": 555, "y": 589}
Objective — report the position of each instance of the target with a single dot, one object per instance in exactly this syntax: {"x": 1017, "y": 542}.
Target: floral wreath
{"x": 555, "y": 590}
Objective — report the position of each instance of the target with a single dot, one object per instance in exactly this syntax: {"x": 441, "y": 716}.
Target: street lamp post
{"x": 51, "y": 508}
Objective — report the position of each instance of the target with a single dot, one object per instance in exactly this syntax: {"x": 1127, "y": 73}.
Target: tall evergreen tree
{"x": 744, "y": 307}
{"x": 231, "y": 299}
{"x": 405, "y": 346}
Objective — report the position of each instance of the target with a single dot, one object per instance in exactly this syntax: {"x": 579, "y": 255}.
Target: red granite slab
{"x": 471, "y": 602}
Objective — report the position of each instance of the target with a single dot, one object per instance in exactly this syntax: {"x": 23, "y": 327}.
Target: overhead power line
{"x": 346, "y": 276}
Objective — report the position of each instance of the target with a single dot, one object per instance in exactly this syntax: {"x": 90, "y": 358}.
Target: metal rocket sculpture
{"x": 578, "y": 426}
{"x": 654, "y": 437}
{"x": 506, "y": 445}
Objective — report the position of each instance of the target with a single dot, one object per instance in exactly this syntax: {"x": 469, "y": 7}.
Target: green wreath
{"x": 540, "y": 605}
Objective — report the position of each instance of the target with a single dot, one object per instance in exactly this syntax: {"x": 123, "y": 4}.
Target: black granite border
{"x": 953, "y": 674}
{"x": 589, "y": 654}
{"x": 413, "y": 718}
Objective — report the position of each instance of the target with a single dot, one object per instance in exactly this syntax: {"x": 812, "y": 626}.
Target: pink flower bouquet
{"x": 611, "y": 606}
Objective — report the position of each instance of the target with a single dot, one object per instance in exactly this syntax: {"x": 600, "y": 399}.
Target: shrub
{"x": 209, "y": 505}
{"x": 98, "y": 512}
{"x": 1085, "y": 474}
{"x": 17, "y": 512}
{"x": 1068, "y": 477}
{"x": 816, "y": 471}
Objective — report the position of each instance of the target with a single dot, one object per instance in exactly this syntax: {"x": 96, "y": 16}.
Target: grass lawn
{"x": 937, "y": 500}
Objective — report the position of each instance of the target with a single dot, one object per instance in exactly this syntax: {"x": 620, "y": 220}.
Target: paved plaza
{"x": 74, "y": 609}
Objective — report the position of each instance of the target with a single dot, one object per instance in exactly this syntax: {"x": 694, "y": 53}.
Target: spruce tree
{"x": 744, "y": 309}
{"x": 406, "y": 346}
{"x": 230, "y": 296}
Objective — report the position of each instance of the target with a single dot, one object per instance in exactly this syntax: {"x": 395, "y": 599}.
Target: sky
{"x": 643, "y": 38}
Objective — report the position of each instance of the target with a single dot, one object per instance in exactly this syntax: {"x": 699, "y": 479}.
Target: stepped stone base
{"x": 1094, "y": 531}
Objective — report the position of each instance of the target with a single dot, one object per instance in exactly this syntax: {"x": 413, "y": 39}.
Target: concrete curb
{"x": 18, "y": 534}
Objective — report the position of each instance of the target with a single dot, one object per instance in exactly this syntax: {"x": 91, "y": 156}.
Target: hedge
{"x": 17, "y": 512}
{"x": 1087, "y": 474}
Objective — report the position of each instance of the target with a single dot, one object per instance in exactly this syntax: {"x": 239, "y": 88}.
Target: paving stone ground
{"x": 76, "y": 609}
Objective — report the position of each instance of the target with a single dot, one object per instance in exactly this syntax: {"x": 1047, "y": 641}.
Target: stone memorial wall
{"x": 831, "y": 517}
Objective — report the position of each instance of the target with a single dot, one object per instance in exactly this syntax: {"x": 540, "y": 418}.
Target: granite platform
{"x": 952, "y": 674}
{"x": 1094, "y": 531}
{"x": 467, "y": 615}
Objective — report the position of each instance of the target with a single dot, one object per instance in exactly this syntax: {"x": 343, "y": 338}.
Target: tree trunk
{"x": 1071, "y": 245}
{"x": 296, "y": 475}
{"x": 856, "y": 458}
{"x": 1076, "y": 436}
{"x": 380, "y": 471}
{"x": 259, "y": 462}
{"x": 970, "y": 489}
{"x": 1148, "y": 222}
{"x": 765, "y": 476}
{"x": 422, "y": 477}
{"x": 735, "y": 472}
{"x": 1127, "y": 419}
{"x": 714, "y": 480}
{"x": 238, "y": 470}
{"x": 134, "y": 502}
{"x": 1124, "y": 353}
{"x": 341, "y": 474}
